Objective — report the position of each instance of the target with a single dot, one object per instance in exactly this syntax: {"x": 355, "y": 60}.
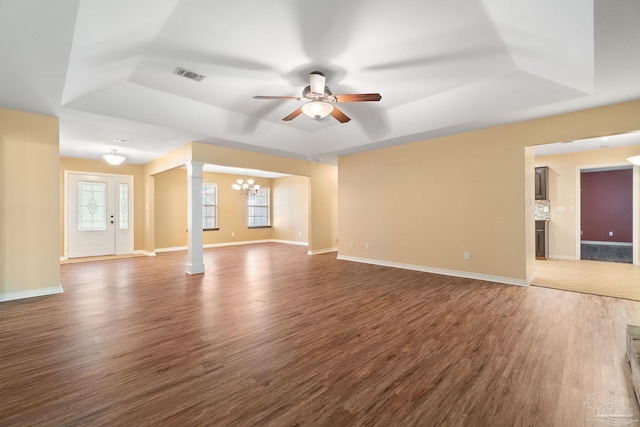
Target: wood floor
{"x": 270, "y": 336}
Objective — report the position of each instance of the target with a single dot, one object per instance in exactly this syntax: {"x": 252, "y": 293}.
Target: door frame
{"x": 123, "y": 245}
{"x": 635, "y": 230}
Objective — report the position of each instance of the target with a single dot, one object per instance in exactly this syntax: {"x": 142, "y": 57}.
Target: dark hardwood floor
{"x": 272, "y": 336}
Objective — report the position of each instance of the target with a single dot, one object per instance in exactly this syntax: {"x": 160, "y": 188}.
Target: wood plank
{"x": 272, "y": 336}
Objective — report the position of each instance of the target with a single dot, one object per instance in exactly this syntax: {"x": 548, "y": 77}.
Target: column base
{"x": 195, "y": 268}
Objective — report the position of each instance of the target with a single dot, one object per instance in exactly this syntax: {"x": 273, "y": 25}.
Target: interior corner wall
{"x": 102, "y": 167}
{"x": 29, "y": 205}
{"x": 563, "y": 172}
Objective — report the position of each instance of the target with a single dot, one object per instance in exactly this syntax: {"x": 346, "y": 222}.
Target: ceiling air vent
{"x": 189, "y": 74}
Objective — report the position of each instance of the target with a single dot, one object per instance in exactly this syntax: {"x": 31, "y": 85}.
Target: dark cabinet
{"x": 541, "y": 240}
{"x": 541, "y": 178}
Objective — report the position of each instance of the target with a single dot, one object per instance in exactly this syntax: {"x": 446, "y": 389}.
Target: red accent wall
{"x": 606, "y": 205}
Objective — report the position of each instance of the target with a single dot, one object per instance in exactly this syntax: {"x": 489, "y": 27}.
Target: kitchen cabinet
{"x": 542, "y": 183}
{"x": 541, "y": 240}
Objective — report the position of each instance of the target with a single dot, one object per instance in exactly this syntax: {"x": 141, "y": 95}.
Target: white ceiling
{"x": 443, "y": 66}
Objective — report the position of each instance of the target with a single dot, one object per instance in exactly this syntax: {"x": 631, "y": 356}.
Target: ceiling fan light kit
{"x": 317, "y": 109}
{"x": 320, "y": 100}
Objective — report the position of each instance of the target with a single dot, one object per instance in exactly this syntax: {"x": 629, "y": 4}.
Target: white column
{"x": 195, "y": 262}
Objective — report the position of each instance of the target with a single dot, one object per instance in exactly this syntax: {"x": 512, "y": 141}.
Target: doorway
{"x": 634, "y": 246}
{"x": 606, "y": 221}
{"x": 98, "y": 214}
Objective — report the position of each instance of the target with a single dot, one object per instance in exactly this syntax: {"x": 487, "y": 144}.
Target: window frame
{"x": 268, "y": 206}
{"x": 206, "y": 205}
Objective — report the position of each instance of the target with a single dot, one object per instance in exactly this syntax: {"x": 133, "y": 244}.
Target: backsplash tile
{"x": 542, "y": 210}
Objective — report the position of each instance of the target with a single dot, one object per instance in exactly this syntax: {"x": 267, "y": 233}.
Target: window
{"x": 209, "y": 207}
{"x": 124, "y": 207}
{"x": 258, "y": 209}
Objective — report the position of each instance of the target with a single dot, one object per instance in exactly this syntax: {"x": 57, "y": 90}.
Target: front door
{"x": 91, "y": 213}
{"x": 99, "y": 214}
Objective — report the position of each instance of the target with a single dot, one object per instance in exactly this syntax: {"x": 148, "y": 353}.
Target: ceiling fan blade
{"x": 316, "y": 83}
{"x": 339, "y": 115}
{"x": 358, "y": 97}
{"x": 281, "y": 98}
{"x": 293, "y": 115}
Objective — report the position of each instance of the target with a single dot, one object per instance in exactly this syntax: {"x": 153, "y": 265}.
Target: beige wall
{"x": 427, "y": 204}
{"x": 101, "y": 167}
{"x": 289, "y": 198}
{"x": 170, "y": 207}
{"x": 424, "y": 204}
{"x": 291, "y": 208}
{"x": 324, "y": 208}
{"x": 563, "y": 194}
{"x": 29, "y": 204}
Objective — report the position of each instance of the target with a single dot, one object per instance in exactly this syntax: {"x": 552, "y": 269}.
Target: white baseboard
{"x": 143, "y": 252}
{"x": 243, "y": 242}
{"x": 446, "y": 272}
{"x": 10, "y": 296}
{"x": 595, "y": 242}
{"x": 138, "y": 252}
{"x": 290, "y": 242}
{"x": 176, "y": 248}
{"x": 565, "y": 257}
{"x": 322, "y": 251}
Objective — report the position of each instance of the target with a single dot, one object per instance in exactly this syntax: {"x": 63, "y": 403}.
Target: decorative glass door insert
{"x": 92, "y": 206}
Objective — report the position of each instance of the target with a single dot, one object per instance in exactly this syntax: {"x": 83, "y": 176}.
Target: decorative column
{"x": 195, "y": 262}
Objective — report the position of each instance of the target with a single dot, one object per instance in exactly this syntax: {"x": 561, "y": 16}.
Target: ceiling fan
{"x": 320, "y": 101}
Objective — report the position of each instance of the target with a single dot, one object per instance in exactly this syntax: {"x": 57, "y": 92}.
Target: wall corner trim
{"x": 10, "y": 296}
{"x": 435, "y": 270}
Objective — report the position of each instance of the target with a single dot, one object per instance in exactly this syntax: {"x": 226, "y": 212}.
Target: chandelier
{"x": 245, "y": 186}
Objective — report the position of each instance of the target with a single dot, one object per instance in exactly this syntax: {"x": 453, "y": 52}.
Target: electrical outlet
{"x": 467, "y": 255}
{"x": 366, "y": 246}
{"x": 352, "y": 244}
{"x": 610, "y": 233}
{"x": 233, "y": 234}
